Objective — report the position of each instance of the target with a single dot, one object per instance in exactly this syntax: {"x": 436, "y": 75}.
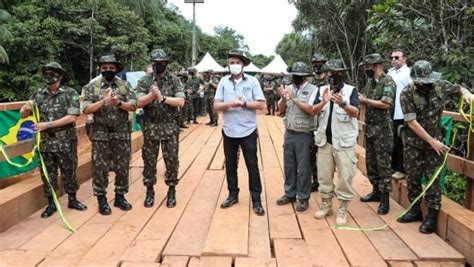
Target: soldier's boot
{"x": 50, "y": 209}
{"x": 195, "y": 121}
{"x": 315, "y": 184}
{"x": 171, "y": 197}
{"x": 285, "y": 200}
{"x": 429, "y": 224}
{"x": 150, "y": 197}
{"x": 74, "y": 203}
{"x": 104, "y": 207}
{"x": 210, "y": 122}
{"x": 325, "y": 210}
{"x": 121, "y": 203}
{"x": 384, "y": 205}
{"x": 413, "y": 215}
{"x": 373, "y": 196}
{"x": 215, "y": 124}
{"x": 182, "y": 125}
{"x": 342, "y": 213}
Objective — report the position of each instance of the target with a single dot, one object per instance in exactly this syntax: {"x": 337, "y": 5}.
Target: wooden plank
{"x": 219, "y": 158}
{"x": 194, "y": 262}
{"x": 400, "y": 264}
{"x": 149, "y": 244}
{"x": 189, "y": 237}
{"x": 175, "y": 261}
{"x": 291, "y": 252}
{"x": 215, "y": 262}
{"x": 437, "y": 250}
{"x": 55, "y": 262}
{"x": 20, "y": 258}
{"x": 437, "y": 264}
{"x": 139, "y": 264}
{"x": 255, "y": 262}
{"x": 17, "y": 149}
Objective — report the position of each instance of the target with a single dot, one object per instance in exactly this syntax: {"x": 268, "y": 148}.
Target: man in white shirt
{"x": 401, "y": 75}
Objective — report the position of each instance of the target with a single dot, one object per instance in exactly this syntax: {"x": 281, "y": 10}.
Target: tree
{"x": 4, "y": 35}
{"x": 294, "y": 47}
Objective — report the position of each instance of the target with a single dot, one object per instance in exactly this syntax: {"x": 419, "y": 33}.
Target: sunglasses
{"x": 396, "y": 58}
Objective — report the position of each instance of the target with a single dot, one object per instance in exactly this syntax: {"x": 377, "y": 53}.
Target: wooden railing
{"x": 455, "y": 163}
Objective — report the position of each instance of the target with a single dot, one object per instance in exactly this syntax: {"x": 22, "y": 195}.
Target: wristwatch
{"x": 163, "y": 100}
{"x": 119, "y": 104}
{"x": 343, "y": 104}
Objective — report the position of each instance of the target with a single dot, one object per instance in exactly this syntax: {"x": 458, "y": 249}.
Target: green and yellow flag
{"x": 13, "y": 129}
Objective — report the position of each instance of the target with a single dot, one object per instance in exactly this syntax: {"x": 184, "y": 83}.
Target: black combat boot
{"x": 182, "y": 125}
{"x": 104, "y": 207}
{"x": 121, "y": 202}
{"x": 150, "y": 197}
{"x": 315, "y": 185}
{"x": 413, "y": 215}
{"x": 215, "y": 124}
{"x": 429, "y": 224}
{"x": 373, "y": 196}
{"x": 195, "y": 121}
{"x": 50, "y": 209}
{"x": 384, "y": 205}
{"x": 171, "y": 198}
{"x": 210, "y": 122}
{"x": 74, "y": 203}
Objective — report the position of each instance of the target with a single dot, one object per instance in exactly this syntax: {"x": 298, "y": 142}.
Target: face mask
{"x": 422, "y": 87}
{"x": 335, "y": 80}
{"x": 318, "y": 68}
{"x": 297, "y": 80}
{"x": 159, "y": 68}
{"x": 235, "y": 69}
{"x": 108, "y": 75}
{"x": 370, "y": 73}
{"x": 50, "y": 79}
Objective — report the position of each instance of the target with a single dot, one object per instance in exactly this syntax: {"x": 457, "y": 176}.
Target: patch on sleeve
{"x": 387, "y": 89}
{"x": 75, "y": 98}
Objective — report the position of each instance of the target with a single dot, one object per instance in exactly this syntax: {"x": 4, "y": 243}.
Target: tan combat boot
{"x": 341, "y": 213}
{"x": 325, "y": 210}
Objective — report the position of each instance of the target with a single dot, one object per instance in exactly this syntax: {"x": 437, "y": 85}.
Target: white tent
{"x": 276, "y": 66}
{"x": 252, "y": 68}
{"x": 208, "y": 63}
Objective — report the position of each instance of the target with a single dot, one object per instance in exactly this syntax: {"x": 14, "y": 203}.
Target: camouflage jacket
{"x": 160, "y": 121}
{"x": 53, "y": 107}
{"x": 378, "y": 121}
{"x": 211, "y": 87}
{"x": 109, "y": 122}
{"x": 426, "y": 107}
{"x": 194, "y": 83}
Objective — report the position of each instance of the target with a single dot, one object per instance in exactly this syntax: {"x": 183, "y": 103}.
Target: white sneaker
{"x": 398, "y": 175}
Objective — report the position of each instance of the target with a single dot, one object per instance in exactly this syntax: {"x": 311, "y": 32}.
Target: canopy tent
{"x": 208, "y": 63}
{"x": 277, "y": 66}
{"x": 252, "y": 68}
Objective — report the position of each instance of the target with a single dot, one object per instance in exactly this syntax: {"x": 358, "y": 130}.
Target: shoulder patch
{"x": 305, "y": 93}
{"x": 75, "y": 98}
{"x": 387, "y": 89}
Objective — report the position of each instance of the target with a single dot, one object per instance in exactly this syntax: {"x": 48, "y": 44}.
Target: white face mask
{"x": 235, "y": 69}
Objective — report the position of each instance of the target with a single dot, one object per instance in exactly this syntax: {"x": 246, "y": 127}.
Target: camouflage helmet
{"x": 422, "y": 72}
{"x": 334, "y": 65}
{"x": 56, "y": 67}
{"x": 158, "y": 55}
{"x": 240, "y": 54}
{"x": 110, "y": 59}
{"x": 300, "y": 69}
{"x": 374, "y": 58}
{"x": 318, "y": 57}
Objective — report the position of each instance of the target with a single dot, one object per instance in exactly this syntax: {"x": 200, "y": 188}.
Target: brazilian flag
{"x": 13, "y": 129}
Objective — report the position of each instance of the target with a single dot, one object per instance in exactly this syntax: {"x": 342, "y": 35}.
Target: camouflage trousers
{"x": 113, "y": 155}
{"x": 170, "y": 150}
{"x": 66, "y": 161}
{"x": 378, "y": 161}
{"x": 188, "y": 110}
{"x": 213, "y": 116}
{"x": 271, "y": 104}
{"x": 420, "y": 163}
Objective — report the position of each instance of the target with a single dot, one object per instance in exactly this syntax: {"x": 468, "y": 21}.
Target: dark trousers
{"x": 397, "y": 154}
{"x": 249, "y": 149}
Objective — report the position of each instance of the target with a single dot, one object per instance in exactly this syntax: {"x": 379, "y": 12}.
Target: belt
{"x": 159, "y": 119}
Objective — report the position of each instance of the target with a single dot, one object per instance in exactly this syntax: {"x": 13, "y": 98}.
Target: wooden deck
{"x": 198, "y": 233}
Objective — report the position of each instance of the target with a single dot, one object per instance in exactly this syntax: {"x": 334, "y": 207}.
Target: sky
{"x": 263, "y": 23}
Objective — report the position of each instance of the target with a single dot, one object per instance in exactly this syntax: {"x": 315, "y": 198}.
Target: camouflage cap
{"x": 56, "y": 67}
{"x": 318, "y": 57}
{"x": 422, "y": 72}
{"x": 109, "y": 59}
{"x": 240, "y": 54}
{"x": 158, "y": 55}
{"x": 300, "y": 69}
{"x": 334, "y": 65}
{"x": 374, "y": 58}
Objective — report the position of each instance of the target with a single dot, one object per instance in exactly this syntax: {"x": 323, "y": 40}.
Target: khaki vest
{"x": 296, "y": 119}
{"x": 344, "y": 127}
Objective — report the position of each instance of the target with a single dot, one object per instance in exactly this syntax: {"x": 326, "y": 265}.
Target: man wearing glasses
{"x": 400, "y": 73}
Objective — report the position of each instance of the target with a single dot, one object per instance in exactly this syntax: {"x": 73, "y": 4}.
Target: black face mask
{"x": 159, "y": 68}
{"x": 423, "y": 88}
{"x": 108, "y": 75}
{"x": 370, "y": 73}
{"x": 50, "y": 79}
{"x": 318, "y": 68}
{"x": 297, "y": 80}
{"x": 335, "y": 80}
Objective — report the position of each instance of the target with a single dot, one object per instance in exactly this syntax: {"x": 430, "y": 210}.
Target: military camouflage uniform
{"x": 379, "y": 133}
{"x": 58, "y": 145}
{"x": 426, "y": 107}
{"x": 268, "y": 90}
{"x": 210, "y": 94}
{"x": 110, "y": 135}
{"x": 194, "y": 83}
{"x": 160, "y": 127}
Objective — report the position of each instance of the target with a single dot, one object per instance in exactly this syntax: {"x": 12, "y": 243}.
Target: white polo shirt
{"x": 402, "y": 79}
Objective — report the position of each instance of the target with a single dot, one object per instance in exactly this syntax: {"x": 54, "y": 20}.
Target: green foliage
{"x": 454, "y": 187}
{"x": 261, "y": 60}
{"x": 4, "y": 35}
{"x": 294, "y": 47}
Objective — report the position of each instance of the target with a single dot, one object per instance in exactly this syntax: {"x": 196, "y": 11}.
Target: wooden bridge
{"x": 198, "y": 233}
